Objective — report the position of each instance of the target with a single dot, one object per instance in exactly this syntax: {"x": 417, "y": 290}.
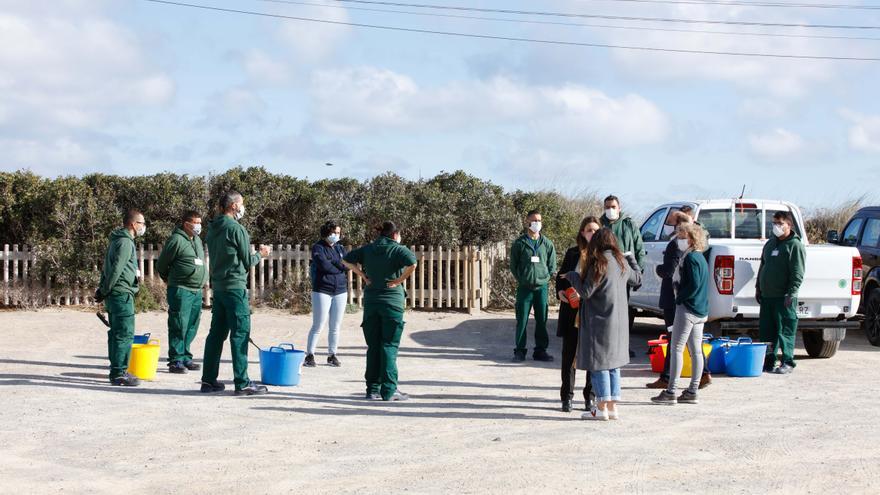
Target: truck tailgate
{"x": 825, "y": 293}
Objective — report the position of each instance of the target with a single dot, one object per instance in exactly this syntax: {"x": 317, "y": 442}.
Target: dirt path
{"x": 477, "y": 423}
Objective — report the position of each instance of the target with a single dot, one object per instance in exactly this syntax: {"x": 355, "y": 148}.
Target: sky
{"x": 133, "y": 87}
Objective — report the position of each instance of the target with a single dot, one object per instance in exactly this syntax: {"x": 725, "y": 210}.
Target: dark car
{"x": 863, "y": 232}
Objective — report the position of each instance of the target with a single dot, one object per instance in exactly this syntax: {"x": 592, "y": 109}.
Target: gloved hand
{"x": 758, "y": 295}
{"x": 788, "y": 301}
{"x": 99, "y": 298}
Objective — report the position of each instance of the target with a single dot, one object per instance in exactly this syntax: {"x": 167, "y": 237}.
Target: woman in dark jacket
{"x": 604, "y": 319}
{"x": 329, "y": 291}
{"x": 567, "y": 325}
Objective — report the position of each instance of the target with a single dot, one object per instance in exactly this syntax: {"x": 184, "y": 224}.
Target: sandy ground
{"x": 477, "y": 423}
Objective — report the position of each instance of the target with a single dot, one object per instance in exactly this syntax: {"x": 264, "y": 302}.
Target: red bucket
{"x": 658, "y": 357}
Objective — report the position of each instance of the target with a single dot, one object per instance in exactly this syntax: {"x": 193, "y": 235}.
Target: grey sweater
{"x": 604, "y": 315}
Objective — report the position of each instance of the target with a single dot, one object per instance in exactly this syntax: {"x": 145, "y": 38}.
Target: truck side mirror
{"x": 832, "y": 237}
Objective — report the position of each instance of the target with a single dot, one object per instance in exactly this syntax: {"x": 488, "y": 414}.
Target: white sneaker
{"x": 596, "y": 414}
{"x": 613, "y": 414}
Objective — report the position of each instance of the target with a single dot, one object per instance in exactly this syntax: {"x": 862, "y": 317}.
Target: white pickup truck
{"x": 738, "y": 229}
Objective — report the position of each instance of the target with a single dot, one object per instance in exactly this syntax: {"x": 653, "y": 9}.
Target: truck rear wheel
{"x": 871, "y": 325}
{"x": 818, "y": 348}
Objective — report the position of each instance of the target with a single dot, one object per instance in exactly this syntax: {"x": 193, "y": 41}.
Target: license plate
{"x": 803, "y": 311}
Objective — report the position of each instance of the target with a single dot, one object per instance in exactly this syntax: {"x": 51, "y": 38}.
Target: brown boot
{"x": 660, "y": 383}
{"x": 705, "y": 380}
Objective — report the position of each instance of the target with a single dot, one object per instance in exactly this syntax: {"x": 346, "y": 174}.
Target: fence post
{"x": 473, "y": 280}
{"x": 252, "y": 276}
{"x": 458, "y": 277}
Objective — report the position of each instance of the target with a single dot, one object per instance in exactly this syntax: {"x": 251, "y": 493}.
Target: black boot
{"x": 192, "y": 366}
{"x": 541, "y": 355}
{"x": 310, "y": 361}
{"x": 212, "y": 387}
{"x": 566, "y": 406}
{"x": 176, "y": 367}
{"x": 252, "y": 388}
{"x": 126, "y": 380}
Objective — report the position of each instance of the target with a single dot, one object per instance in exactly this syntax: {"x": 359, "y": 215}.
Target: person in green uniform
{"x": 384, "y": 265}
{"x": 182, "y": 266}
{"x": 229, "y": 248}
{"x": 119, "y": 285}
{"x": 780, "y": 275}
{"x": 533, "y": 262}
{"x": 629, "y": 240}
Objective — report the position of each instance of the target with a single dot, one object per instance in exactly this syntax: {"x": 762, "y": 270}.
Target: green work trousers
{"x": 184, "y": 314}
{"x": 527, "y": 299}
{"x": 230, "y": 317}
{"x": 778, "y": 327}
{"x": 383, "y": 326}
{"x": 120, "y": 308}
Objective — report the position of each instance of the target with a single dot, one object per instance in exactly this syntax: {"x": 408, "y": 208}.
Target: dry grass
{"x": 820, "y": 220}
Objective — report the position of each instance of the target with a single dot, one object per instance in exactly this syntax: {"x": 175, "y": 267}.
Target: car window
{"x": 716, "y": 222}
{"x": 653, "y": 225}
{"x": 851, "y": 234}
{"x": 871, "y": 235}
{"x": 748, "y": 223}
{"x": 663, "y": 235}
{"x": 768, "y": 225}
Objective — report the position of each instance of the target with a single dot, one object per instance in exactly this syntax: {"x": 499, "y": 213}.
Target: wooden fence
{"x": 445, "y": 278}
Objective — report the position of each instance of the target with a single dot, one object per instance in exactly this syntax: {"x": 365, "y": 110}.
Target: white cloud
{"x": 780, "y": 77}
{"x": 69, "y": 73}
{"x": 777, "y": 143}
{"x": 370, "y": 100}
{"x": 313, "y": 41}
{"x": 864, "y": 134}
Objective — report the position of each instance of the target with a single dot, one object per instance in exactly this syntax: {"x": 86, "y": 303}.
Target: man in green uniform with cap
{"x": 384, "y": 265}
{"x": 182, "y": 266}
{"x": 229, "y": 247}
{"x": 119, "y": 284}
{"x": 783, "y": 262}
{"x": 532, "y": 262}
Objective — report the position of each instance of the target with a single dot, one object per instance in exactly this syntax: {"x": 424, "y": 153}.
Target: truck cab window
{"x": 748, "y": 223}
{"x": 654, "y": 225}
{"x": 716, "y": 222}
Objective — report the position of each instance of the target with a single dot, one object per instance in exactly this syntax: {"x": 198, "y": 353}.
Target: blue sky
{"x": 131, "y": 87}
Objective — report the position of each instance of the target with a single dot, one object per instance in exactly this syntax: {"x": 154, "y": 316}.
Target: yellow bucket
{"x": 144, "y": 360}
{"x": 686, "y": 365}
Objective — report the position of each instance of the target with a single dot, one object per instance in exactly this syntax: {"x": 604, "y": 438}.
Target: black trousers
{"x": 569, "y": 334}
{"x": 669, "y": 320}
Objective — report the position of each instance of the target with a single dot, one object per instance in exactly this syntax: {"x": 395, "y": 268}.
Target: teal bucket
{"x": 745, "y": 358}
{"x": 715, "y": 362}
{"x": 281, "y": 365}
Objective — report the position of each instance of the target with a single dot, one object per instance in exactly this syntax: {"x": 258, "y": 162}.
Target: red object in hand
{"x": 575, "y": 302}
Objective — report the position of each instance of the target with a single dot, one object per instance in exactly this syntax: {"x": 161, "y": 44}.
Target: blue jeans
{"x": 324, "y": 306}
{"x": 606, "y": 384}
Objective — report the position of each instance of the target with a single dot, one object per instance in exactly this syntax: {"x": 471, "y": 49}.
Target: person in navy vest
{"x": 329, "y": 291}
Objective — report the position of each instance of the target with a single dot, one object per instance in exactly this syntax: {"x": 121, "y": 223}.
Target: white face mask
{"x": 197, "y": 229}
{"x": 668, "y": 230}
{"x": 778, "y": 230}
{"x": 239, "y": 214}
{"x": 333, "y": 238}
{"x": 535, "y": 227}
{"x": 612, "y": 214}
{"x": 141, "y": 230}
{"x": 683, "y": 244}
{"x": 398, "y": 239}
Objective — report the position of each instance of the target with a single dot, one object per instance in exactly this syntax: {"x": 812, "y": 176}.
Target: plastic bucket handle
{"x": 277, "y": 349}
{"x": 147, "y": 335}
{"x": 744, "y": 340}
{"x": 282, "y": 346}
{"x": 708, "y": 336}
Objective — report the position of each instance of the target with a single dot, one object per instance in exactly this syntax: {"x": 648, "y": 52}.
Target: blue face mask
{"x": 333, "y": 238}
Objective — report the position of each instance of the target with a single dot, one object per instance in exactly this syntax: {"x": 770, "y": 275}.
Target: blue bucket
{"x": 141, "y": 339}
{"x": 744, "y": 357}
{"x": 281, "y": 365}
{"x": 715, "y": 363}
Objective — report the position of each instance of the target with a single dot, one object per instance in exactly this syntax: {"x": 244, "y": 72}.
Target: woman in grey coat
{"x": 604, "y": 319}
